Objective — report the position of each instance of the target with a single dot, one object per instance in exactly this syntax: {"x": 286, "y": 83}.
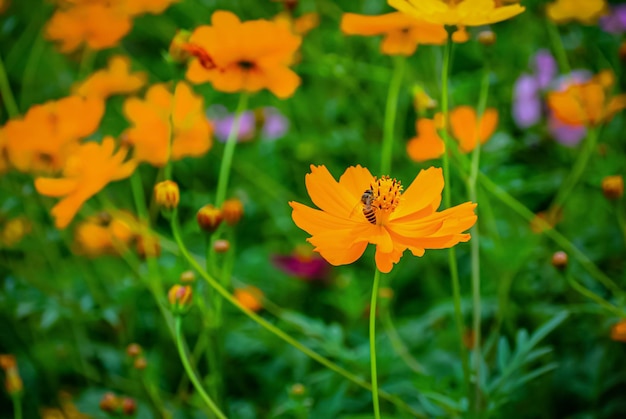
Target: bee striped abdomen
{"x": 370, "y": 214}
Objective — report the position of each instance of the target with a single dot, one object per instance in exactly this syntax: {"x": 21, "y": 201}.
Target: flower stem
{"x": 273, "y": 329}
{"x": 475, "y": 242}
{"x": 557, "y": 46}
{"x": 7, "y": 94}
{"x": 454, "y": 273}
{"x": 229, "y": 151}
{"x": 373, "y": 343}
{"x": 17, "y": 406}
{"x": 588, "y": 147}
{"x": 390, "y": 114}
{"x": 191, "y": 373}
{"x": 582, "y": 290}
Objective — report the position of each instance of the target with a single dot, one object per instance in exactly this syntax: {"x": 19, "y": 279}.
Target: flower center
{"x": 245, "y": 65}
{"x": 381, "y": 199}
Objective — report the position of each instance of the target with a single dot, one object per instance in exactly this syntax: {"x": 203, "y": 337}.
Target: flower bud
{"x": 133, "y": 350}
{"x": 148, "y": 246}
{"x": 622, "y": 51}
{"x": 249, "y": 297}
{"x": 559, "y": 259}
{"x": 166, "y": 194}
{"x": 221, "y": 246}
{"x": 618, "y": 331}
{"x": 487, "y": 37}
{"x": 232, "y": 210}
{"x": 460, "y": 36}
{"x": 109, "y": 403}
{"x": 177, "y": 51}
{"x": 13, "y": 382}
{"x": 298, "y": 390}
{"x": 613, "y": 187}
{"x": 14, "y": 230}
{"x": 187, "y": 276}
{"x": 129, "y": 407}
{"x": 179, "y": 297}
{"x": 209, "y": 218}
{"x": 140, "y": 363}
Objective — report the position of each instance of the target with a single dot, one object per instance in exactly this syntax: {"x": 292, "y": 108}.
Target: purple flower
{"x": 615, "y": 21}
{"x": 544, "y": 66}
{"x": 271, "y": 123}
{"x": 526, "y": 101}
{"x": 303, "y": 264}
{"x": 567, "y": 135}
{"x": 275, "y": 124}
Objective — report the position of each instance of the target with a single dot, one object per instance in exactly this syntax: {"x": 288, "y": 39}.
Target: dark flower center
{"x": 246, "y": 65}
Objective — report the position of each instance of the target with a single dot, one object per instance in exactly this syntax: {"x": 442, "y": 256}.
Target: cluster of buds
{"x": 180, "y": 298}
{"x": 210, "y": 217}
{"x": 135, "y": 351}
{"x": 12, "y": 382}
{"x": 118, "y": 405}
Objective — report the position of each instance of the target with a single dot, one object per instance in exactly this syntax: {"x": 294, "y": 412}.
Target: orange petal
{"x": 328, "y": 195}
{"x": 386, "y": 260}
{"x": 422, "y": 196}
{"x": 427, "y": 145}
{"x": 55, "y": 187}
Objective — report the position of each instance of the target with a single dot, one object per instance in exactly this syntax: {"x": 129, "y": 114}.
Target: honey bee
{"x": 368, "y": 210}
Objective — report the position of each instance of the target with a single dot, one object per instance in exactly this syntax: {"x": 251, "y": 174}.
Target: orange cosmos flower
{"x": 115, "y": 79}
{"x": 244, "y": 56}
{"x": 427, "y": 144}
{"x": 163, "y": 117}
{"x": 362, "y": 209}
{"x": 587, "y": 103}
{"x": 585, "y": 11}
{"x": 105, "y": 234}
{"x": 250, "y": 297}
{"x": 457, "y": 12}
{"x": 467, "y": 129}
{"x": 155, "y": 7}
{"x": 402, "y": 32}
{"x": 86, "y": 172}
{"x": 41, "y": 140}
{"x": 99, "y": 24}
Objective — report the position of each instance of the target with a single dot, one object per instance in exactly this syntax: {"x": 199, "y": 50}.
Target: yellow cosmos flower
{"x": 362, "y": 209}
{"x": 585, "y": 11}
{"x": 457, "y": 12}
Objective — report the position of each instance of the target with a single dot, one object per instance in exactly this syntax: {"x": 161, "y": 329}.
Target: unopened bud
{"x": 487, "y": 37}
{"x": 221, "y": 246}
{"x": 177, "y": 51}
{"x": 133, "y": 350}
{"x": 166, "y": 194}
{"x": 559, "y": 259}
{"x": 460, "y": 35}
{"x": 179, "y": 297}
{"x": 140, "y": 363}
{"x": 129, "y": 407}
{"x": 618, "y": 331}
{"x": 187, "y": 276}
{"x": 232, "y": 210}
{"x": 613, "y": 187}
{"x": 109, "y": 403}
{"x": 148, "y": 246}
{"x": 209, "y": 218}
{"x": 298, "y": 390}
{"x": 249, "y": 297}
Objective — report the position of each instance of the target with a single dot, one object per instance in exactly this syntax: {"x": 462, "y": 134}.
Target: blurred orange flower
{"x": 457, "y": 12}
{"x": 362, "y": 209}
{"x": 587, "y": 103}
{"x": 466, "y": 128}
{"x": 298, "y": 25}
{"x": 4, "y": 163}
{"x": 115, "y": 79}
{"x": 99, "y": 24}
{"x": 403, "y": 33}
{"x": 585, "y": 11}
{"x": 163, "y": 119}
{"x": 250, "y": 297}
{"x": 618, "y": 331}
{"x": 41, "y": 140}
{"x": 105, "y": 234}
{"x": 427, "y": 144}
{"x": 155, "y": 7}
{"x": 244, "y": 56}
{"x": 86, "y": 172}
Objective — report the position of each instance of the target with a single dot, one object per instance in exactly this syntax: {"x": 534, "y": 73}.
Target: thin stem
{"x": 17, "y": 407}
{"x": 582, "y": 290}
{"x": 390, "y": 114}
{"x": 229, "y": 151}
{"x": 273, "y": 329}
{"x": 374, "y": 299}
{"x": 191, "y": 373}
{"x": 86, "y": 62}
{"x": 589, "y": 146}
{"x": 557, "y": 46}
{"x": 398, "y": 345}
{"x": 454, "y": 273}
{"x": 475, "y": 242}
{"x": 7, "y": 94}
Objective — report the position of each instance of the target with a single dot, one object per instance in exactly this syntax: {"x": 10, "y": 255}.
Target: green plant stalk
{"x": 554, "y": 235}
{"x": 557, "y": 46}
{"x": 229, "y": 151}
{"x": 373, "y": 302}
{"x": 475, "y": 242}
{"x": 86, "y": 62}
{"x": 390, "y": 115}
{"x": 398, "y": 345}
{"x": 275, "y": 330}
{"x": 619, "y": 208}
{"x": 454, "y": 272}
{"x": 582, "y": 290}
{"x": 190, "y": 372}
{"x": 17, "y": 406}
{"x": 588, "y": 147}
{"x": 7, "y": 94}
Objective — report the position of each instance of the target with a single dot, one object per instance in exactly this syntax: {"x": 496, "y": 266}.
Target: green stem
{"x": 17, "y": 407}
{"x": 588, "y": 147}
{"x": 582, "y": 290}
{"x": 273, "y": 329}
{"x": 191, "y": 373}
{"x": 229, "y": 151}
{"x": 619, "y": 208}
{"x": 454, "y": 273}
{"x": 86, "y": 63}
{"x": 373, "y": 343}
{"x": 7, "y": 94}
{"x": 475, "y": 242}
{"x": 557, "y": 46}
{"x": 398, "y": 345}
{"x": 390, "y": 114}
